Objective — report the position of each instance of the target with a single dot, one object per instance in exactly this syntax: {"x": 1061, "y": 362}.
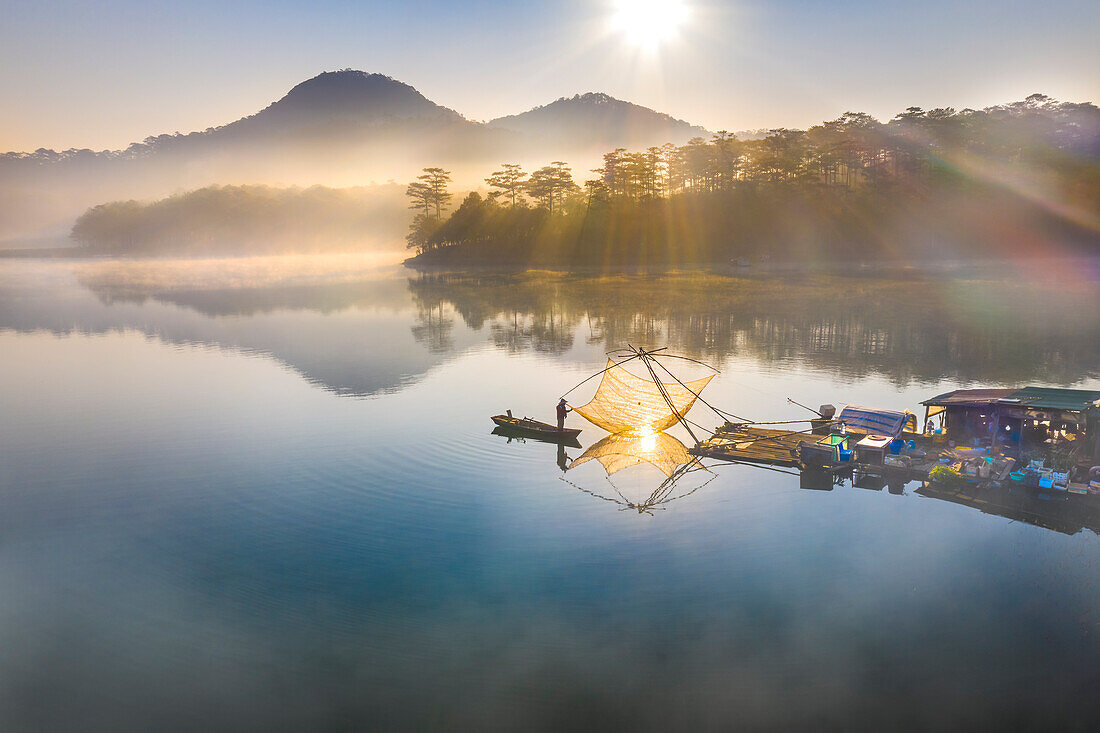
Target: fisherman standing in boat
{"x": 563, "y": 410}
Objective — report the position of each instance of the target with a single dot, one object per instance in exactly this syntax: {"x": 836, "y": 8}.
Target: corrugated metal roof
{"x": 969, "y": 397}
{"x": 1073, "y": 400}
{"x": 1047, "y": 398}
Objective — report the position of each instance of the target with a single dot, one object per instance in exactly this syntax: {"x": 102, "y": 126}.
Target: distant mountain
{"x": 354, "y": 98}
{"x": 599, "y": 120}
{"x": 348, "y": 110}
{"x": 339, "y": 128}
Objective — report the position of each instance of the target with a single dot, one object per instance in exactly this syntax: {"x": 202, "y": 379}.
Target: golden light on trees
{"x": 648, "y": 24}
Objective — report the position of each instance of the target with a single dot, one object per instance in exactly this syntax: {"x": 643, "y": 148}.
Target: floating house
{"x": 1036, "y": 437}
{"x": 1021, "y": 422}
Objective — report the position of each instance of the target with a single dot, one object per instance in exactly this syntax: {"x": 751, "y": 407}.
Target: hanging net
{"x": 623, "y": 450}
{"x": 626, "y": 402}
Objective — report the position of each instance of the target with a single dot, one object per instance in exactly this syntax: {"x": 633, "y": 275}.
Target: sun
{"x": 648, "y": 24}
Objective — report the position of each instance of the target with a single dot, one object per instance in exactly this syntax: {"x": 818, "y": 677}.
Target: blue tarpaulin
{"x": 869, "y": 420}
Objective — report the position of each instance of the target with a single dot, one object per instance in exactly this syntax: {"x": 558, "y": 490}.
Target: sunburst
{"x": 648, "y": 24}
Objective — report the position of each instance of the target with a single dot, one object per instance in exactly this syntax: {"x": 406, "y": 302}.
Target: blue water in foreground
{"x": 270, "y": 503}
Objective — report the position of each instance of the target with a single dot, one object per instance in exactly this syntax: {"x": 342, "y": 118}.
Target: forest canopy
{"x": 1016, "y": 179}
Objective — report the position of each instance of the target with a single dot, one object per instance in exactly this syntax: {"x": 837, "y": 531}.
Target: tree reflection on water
{"x": 918, "y": 329}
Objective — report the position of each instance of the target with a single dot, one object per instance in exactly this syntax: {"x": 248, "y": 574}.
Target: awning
{"x": 1039, "y": 398}
{"x": 1046, "y": 398}
{"x": 973, "y": 397}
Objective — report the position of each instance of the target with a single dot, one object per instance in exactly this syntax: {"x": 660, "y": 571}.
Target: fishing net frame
{"x": 626, "y": 402}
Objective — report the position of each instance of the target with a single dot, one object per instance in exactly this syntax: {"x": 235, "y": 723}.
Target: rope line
{"x": 605, "y": 369}
{"x": 720, "y": 413}
{"x": 664, "y": 393}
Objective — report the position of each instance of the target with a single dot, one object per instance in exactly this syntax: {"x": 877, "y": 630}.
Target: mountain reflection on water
{"x": 329, "y": 325}
{"x": 345, "y": 328}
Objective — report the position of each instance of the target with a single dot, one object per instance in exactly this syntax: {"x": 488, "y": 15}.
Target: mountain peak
{"x": 593, "y": 98}
{"x": 349, "y": 95}
{"x": 348, "y": 84}
{"x": 599, "y": 117}
{"x": 586, "y": 99}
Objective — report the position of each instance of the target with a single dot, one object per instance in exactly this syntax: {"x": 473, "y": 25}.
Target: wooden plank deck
{"x": 753, "y": 445}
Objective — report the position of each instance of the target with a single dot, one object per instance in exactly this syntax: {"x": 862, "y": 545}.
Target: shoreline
{"x": 1080, "y": 266}
{"x": 1039, "y": 266}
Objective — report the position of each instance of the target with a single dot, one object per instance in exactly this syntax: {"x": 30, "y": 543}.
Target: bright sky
{"x": 103, "y": 74}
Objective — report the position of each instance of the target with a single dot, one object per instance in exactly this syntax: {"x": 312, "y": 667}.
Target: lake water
{"x": 263, "y": 495}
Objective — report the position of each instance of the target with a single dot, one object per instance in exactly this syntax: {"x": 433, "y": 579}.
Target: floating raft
{"x": 747, "y": 443}
{"x": 750, "y": 444}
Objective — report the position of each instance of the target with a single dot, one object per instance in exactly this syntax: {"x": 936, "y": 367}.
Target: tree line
{"x": 852, "y": 186}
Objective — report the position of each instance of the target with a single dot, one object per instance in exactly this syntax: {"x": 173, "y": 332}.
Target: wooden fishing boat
{"x": 535, "y": 429}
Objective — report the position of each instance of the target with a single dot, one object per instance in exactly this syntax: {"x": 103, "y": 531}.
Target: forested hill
{"x": 1017, "y": 179}
{"x": 220, "y": 220}
{"x": 596, "y": 119}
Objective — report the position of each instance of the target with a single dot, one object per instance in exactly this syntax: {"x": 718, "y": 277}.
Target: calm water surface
{"x": 263, "y": 495}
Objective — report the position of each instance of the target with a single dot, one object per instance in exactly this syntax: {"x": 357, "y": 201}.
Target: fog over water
{"x": 263, "y": 494}
{"x": 269, "y": 276}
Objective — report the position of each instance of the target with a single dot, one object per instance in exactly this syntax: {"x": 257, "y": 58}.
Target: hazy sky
{"x": 106, "y": 73}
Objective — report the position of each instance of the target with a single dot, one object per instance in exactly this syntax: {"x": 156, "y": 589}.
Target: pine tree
{"x": 509, "y": 181}
{"x": 551, "y": 183}
{"x": 437, "y": 180}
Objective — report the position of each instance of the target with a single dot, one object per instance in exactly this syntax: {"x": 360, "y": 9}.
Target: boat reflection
{"x": 621, "y": 451}
{"x": 521, "y": 436}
